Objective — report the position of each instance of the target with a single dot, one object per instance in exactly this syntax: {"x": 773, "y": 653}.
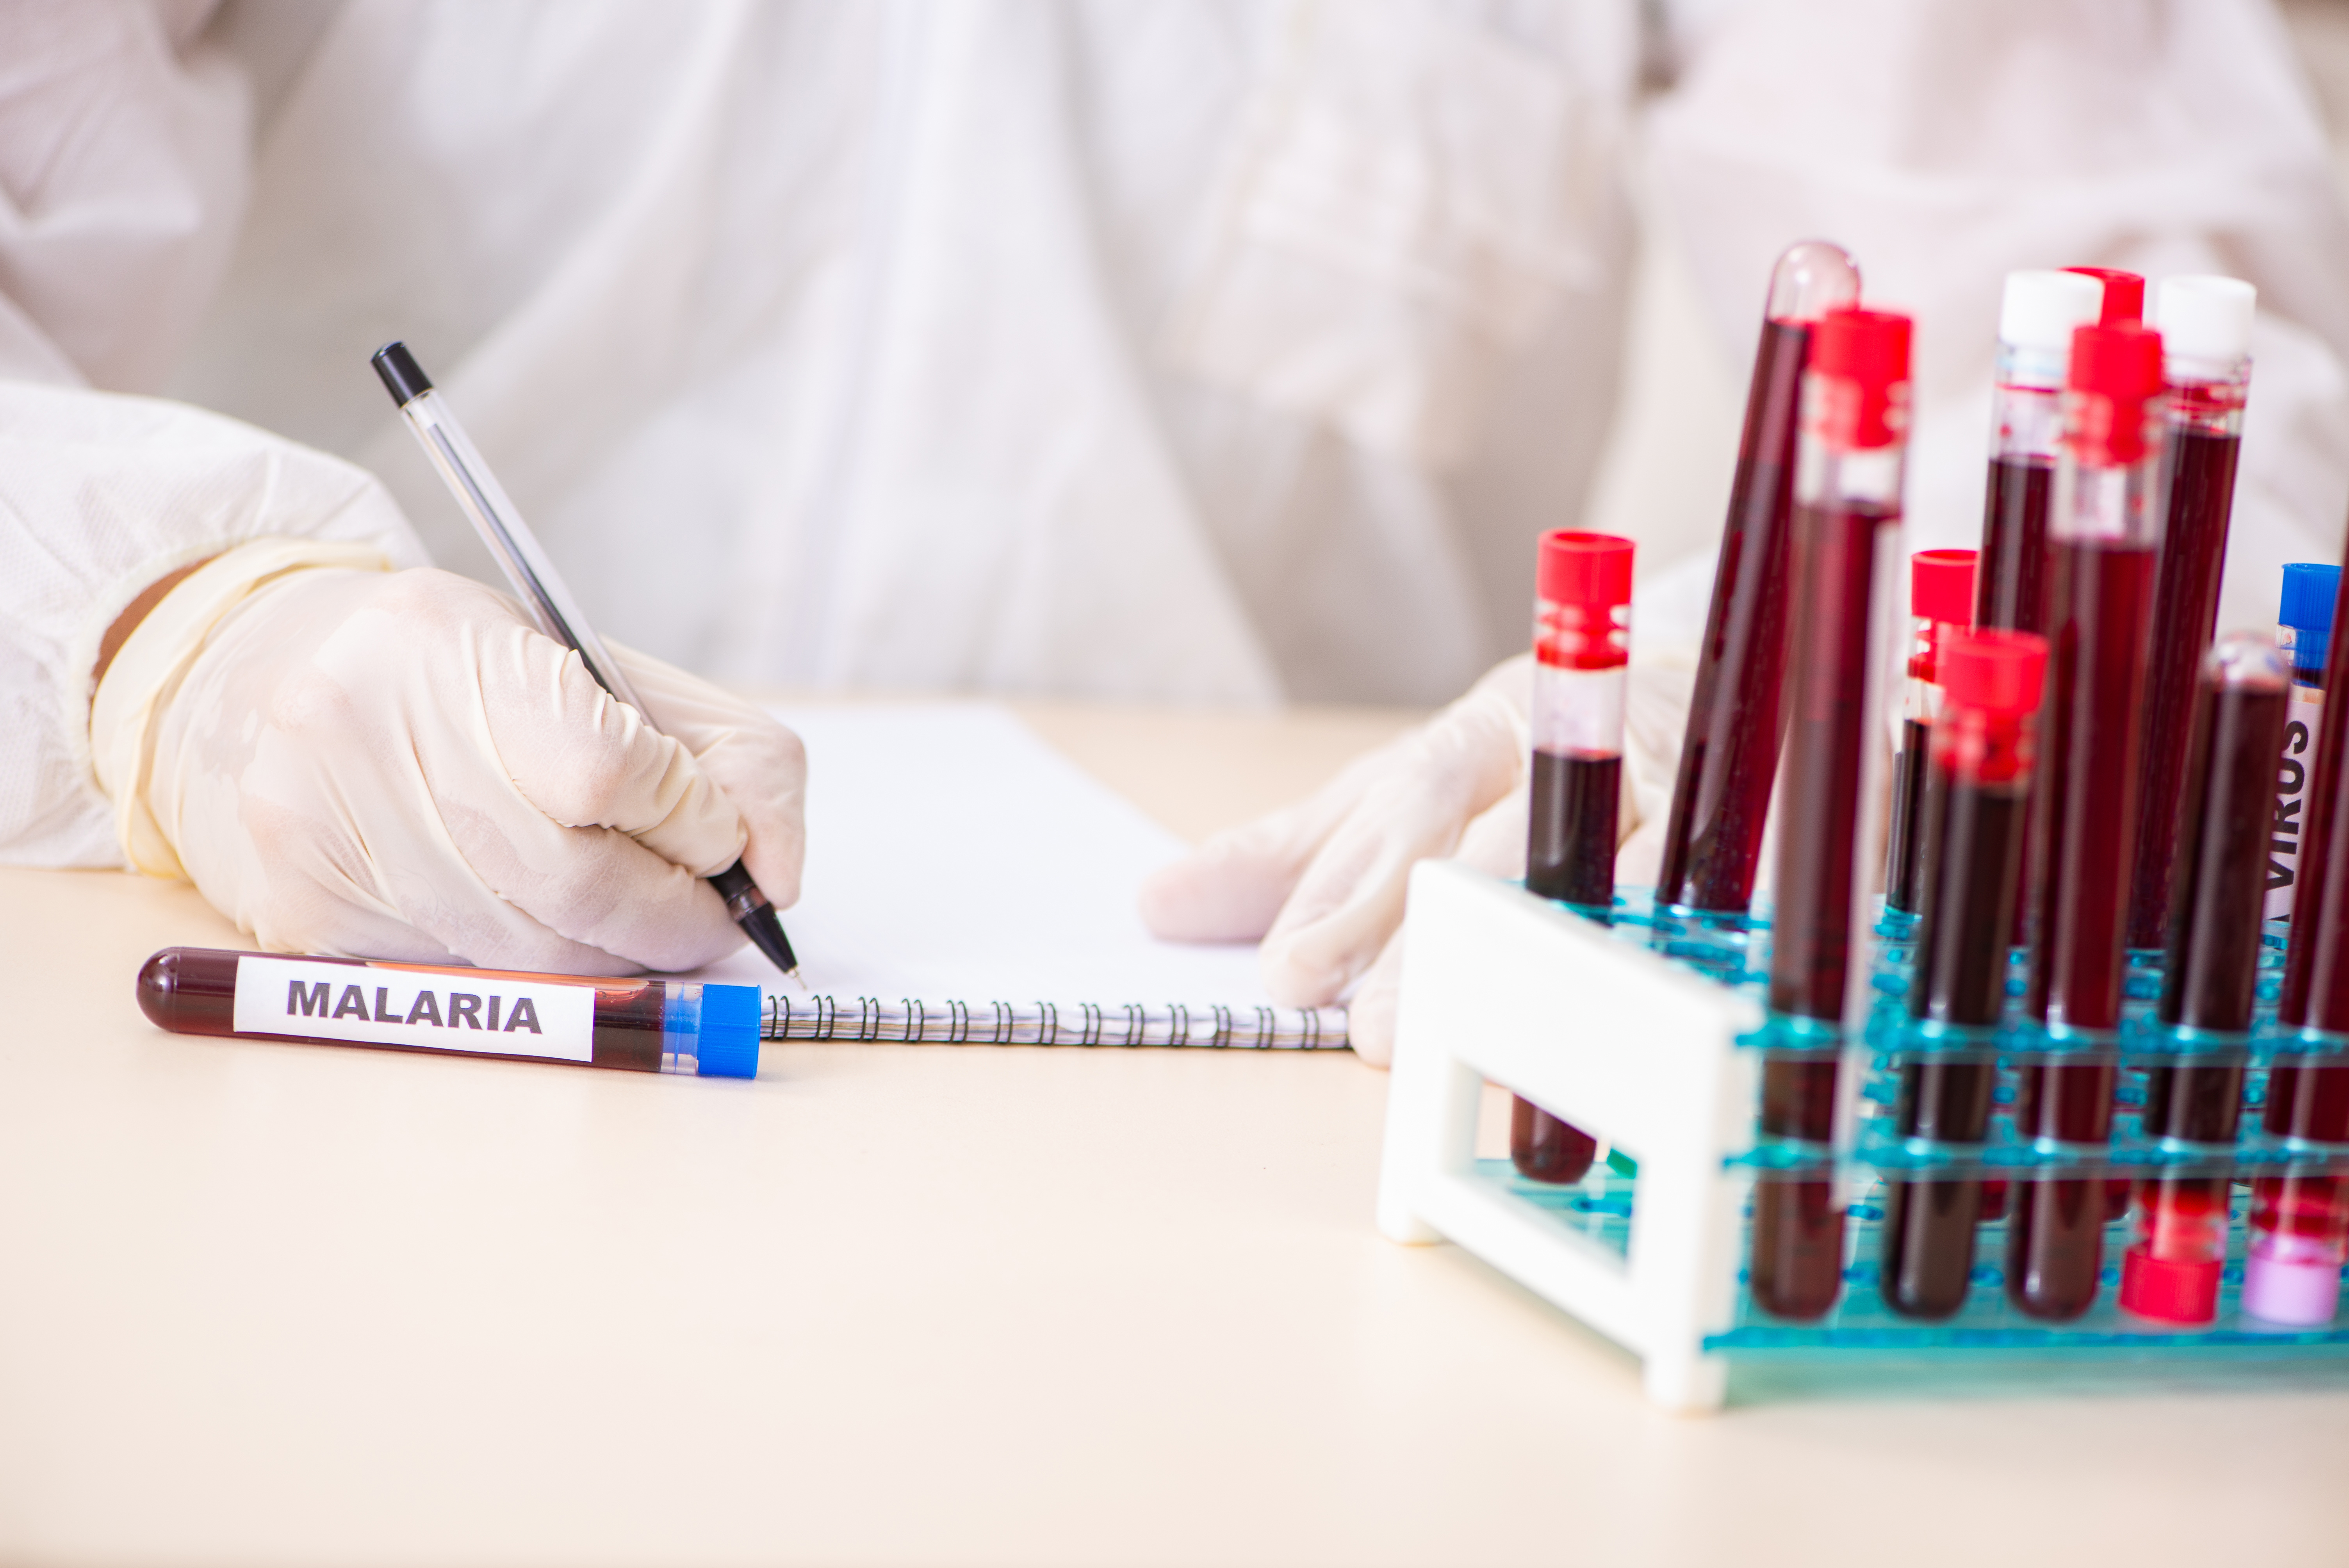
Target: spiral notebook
{"x": 967, "y": 884}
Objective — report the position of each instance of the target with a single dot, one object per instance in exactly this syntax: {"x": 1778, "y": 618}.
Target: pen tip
{"x": 799, "y": 980}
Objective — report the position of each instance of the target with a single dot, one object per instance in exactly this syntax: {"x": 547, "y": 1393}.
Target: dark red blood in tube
{"x": 2087, "y": 792}
{"x": 192, "y": 991}
{"x": 1973, "y": 855}
{"x": 2011, "y": 593}
{"x": 2185, "y": 613}
{"x": 1729, "y": 757}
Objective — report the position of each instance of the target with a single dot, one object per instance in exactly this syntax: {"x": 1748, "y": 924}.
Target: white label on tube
{"x": 493, "y": 1015}
{"x": 2304, "y": 708}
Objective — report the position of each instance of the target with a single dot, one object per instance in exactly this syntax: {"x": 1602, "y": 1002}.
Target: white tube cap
{"x": 2204, "y": 317}
{"x": 2039, "y": 309}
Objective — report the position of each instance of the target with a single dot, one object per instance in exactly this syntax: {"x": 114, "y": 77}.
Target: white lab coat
{"x": 1191, "y": 350}
{"x": 1216, "y": 352}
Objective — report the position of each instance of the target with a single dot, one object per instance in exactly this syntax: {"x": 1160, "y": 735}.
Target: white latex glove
{"x": 399, "y": 766}
{"x": 1322, "y": 883}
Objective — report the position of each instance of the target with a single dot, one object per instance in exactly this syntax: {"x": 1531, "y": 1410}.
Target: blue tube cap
{"x": 728, "y": 1046}
{"x": 2309, "y": 590}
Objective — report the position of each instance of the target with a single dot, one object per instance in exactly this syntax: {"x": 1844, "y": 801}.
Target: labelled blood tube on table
{"x": 1729, "y": 755}
{"x": 1982, "y": 751}
{"x": 633, "y": 1025}
{"x": 1847, "y": 508}
{"x": 2205, "y": 333}
{"x": 1941, "y": 604}
{"x": 2304, "y": 636}
{"x": 1582, "y": 619}
{"x": 2105, "y": 533}
{"x": 2194, "y": 1101}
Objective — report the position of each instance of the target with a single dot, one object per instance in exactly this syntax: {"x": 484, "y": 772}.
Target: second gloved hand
{"x": 1322, "y": 883}
{"x": 399, "y": 766}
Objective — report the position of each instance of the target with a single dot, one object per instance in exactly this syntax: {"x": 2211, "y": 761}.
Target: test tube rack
{"x": 1649, "y": 1030}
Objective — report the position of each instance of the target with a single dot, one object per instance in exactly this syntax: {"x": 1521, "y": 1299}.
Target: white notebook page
{"x": 953, "y": 855}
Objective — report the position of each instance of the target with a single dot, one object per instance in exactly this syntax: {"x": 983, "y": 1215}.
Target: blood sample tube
{"x": 2305, "y": 634}
{"x": 2170, "y": 1272}
{"x": 1729, "y": 756}
{"x": 639, "y": 1026}
{"x": 1941, "y": 604}
{"x": 2206, "y": 335}
{"x": 1848, "y": 497}
{"x": 2037, "y": 316}
{"x": 2105, "y": 533}
{"x": 1582, "y": 618}
{"x": 2325, "y": 767}
{"x": 2035, "y": 321}
{"x": 2300, "y": 1223}
{"x": 1983, "y": 748}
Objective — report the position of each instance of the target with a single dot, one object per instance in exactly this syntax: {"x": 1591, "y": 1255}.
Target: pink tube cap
{"x": 2302, "y": 1294}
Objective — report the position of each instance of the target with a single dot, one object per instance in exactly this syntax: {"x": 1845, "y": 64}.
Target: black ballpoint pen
{"x": 544, "y": 597}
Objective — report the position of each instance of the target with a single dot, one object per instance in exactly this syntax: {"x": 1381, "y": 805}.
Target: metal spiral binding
{"x": 912, "y": 1021}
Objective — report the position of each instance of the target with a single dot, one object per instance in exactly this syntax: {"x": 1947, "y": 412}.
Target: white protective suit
{"x": 1210, "y": 351}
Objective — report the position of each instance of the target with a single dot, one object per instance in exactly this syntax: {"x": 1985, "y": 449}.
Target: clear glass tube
{"x": 1847, "y": 490}
{"x": 1983, "y": 755}
{"x": 2204, "y": 416}
{"x": 1729, "y": 752}
{"x": 1582, "y": 621}
{"x": 2170, "y": 1272}
{"x": 2105, "y": 530}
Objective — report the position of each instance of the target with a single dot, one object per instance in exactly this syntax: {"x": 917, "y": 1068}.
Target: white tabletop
{"x": 281, "y": 1303}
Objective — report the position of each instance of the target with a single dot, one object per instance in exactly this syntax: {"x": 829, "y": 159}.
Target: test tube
{"x": 1941, "y": 605}
{"x": 1848, "y": 497}
{"x": 2325, "y": 766}
{"x": 1729, "y": 756}
{"x": 2206, "y": 336}
{"x": 633, "y": 1025}
{"x": 2105, "y": 530}
{"x": 2036, "y": 318}
{"x": 1983, "y": 750}
{"x": 2305, "y": 634}
{"x": 1582, "y": 620}
{"x": 2300, "y": 1223}
{"x": 2179, "y": 1245}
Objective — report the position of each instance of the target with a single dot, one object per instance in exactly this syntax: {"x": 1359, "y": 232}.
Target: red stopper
{"x": 2000, "y": 673}
{"x": 2170, "y": 1290}
{"x": 1941, "y": 586}
{"x": 1859, "y": 365}
{"x": 1589, "y": 571}
{"x": 2124, "y": 295}
{"x": 2114, "y": 370}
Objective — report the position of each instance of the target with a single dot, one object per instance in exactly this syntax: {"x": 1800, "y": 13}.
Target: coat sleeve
{"x": 100, "y": 495}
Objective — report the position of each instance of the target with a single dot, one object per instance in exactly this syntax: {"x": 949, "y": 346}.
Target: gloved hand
{"x": 1322, "y": 883}
{"x": 399, "y": 766}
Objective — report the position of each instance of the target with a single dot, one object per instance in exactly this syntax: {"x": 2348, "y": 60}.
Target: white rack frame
{"x": 1499, "y": 986}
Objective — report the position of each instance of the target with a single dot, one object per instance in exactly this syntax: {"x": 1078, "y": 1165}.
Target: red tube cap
{"x": 1941, "y": 586}
{"x": 2124, "y": 295}
{"x": 1859, "y": 360}
{"x": 1589, "y": 571}
{"x": 1997, "y": 672}
{"x": 2114, "y": 370}
{"x": 2169, "y": 1291}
